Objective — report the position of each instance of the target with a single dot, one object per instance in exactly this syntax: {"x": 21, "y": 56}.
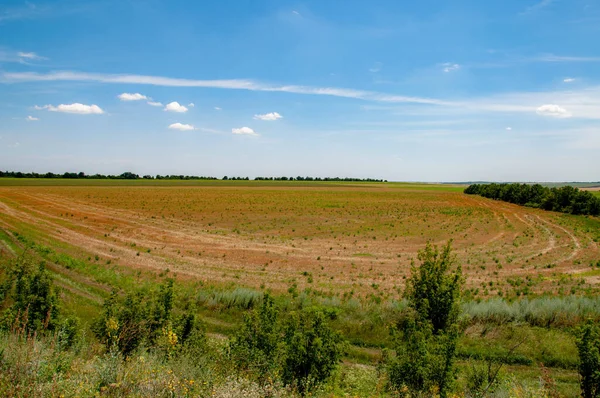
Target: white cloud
{"x": 296, "y": 13}
{"x": 181, "y": 127}
{"x": 268, "y": 116}
{"x": 244, "y": 131}
{"x": 508, "y": 128}
{"x": 191, "y": 105}
{"x": 132, "y": 97}
{"x": 450, "y": 67}
{"x": 217, "y": 108}
{"x": 175, "y": 107}
{"x": 31, "y": 56}
{"x": 152, "y": 103}
{"x": 78, "y": 108}
{"x": 569, "y": 80}
{"x": 553, "y": 111}
{"x": 31, "y": 119}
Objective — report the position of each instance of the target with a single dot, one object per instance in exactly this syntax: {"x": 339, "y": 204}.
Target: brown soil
{"x": 347, "y": 238}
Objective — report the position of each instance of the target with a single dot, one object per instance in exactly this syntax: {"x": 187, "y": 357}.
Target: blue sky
{"x": 408, "y": 91}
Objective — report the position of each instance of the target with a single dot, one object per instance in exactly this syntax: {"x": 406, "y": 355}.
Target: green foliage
{"x": 255, "y": 346}
{"x": 426, "y": 335}
{"x": 434, "y": 288}
{"x": 588, "y": 345}
{"x": 28, "y": 298}
{"x": 313, "y": 350}
{"x": 565, "y": 199}
{"x": 144, "y": 317}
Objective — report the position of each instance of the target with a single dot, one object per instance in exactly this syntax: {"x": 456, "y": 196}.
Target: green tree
{"x": 425, "y": 337}
{"x": 434, "y": 287}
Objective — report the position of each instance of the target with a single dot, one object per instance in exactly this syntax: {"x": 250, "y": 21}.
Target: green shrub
{"x": 145, "y": 317}
{"x": 312, "y": 350}
{"x": 29, "y": 300}
{"x": 255, "y": 346}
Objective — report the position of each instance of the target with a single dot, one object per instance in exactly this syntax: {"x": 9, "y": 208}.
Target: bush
{"x": 312, "y": 350}
{"x": 145, "y": 317}
{"x": 29, "y": 299}
{"x": 255, "y": 347}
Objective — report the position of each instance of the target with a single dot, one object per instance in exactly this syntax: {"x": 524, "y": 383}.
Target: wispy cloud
{"x": 76, "y": 107}
{"x": 450, "y": 67}
{"x": 564, "y": 58}
{"x": 31, "y": 119}
{"x": 582, "y": 103}
{"x": 132, "y": 97}
{"x": 218, "y": 109}
{"x": 153, "y": 103}
{"x": 268, "y": 116}
{"x": 30, "y": 55}
{"x": 27, "y": 11}
{"x": 537, "y": 7}
{"x": 20, "y": 57}
{"x": 568, "y": 80}
{"x": 244, "y": 131}
{"x": 234, "y": 84}
{"x": 376, "y": 68}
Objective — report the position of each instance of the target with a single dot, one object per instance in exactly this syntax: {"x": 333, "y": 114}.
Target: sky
{"x": 460, "y": 90}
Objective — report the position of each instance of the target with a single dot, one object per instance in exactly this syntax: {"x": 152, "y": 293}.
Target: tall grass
{"x": 242, "y": 298}
{"x": 543, "y": 311}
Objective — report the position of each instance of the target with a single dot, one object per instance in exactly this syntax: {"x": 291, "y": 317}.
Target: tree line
{"x": 565, "y": 199}
{"x": 300, "y": 178}
{"x": 132, "y": 176}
